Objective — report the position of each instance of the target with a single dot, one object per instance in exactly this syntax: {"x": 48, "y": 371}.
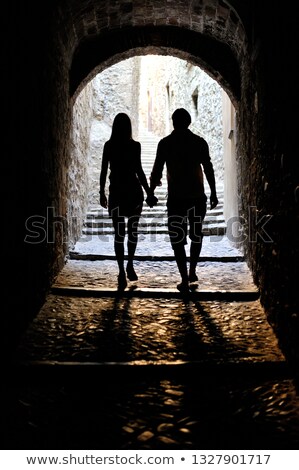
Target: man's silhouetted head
{"x": 181, "y": 119}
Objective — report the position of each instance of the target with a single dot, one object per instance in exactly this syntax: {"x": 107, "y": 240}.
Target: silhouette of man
{"x": 185, "y": 154}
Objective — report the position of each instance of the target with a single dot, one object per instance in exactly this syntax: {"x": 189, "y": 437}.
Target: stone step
{"x": 148, "y": 218}
{"x": 77, "y": 256}
{"x": 161, "y": 207}
{"x": 147, "y": 212}
{"x": 158, "y": 218}
{"x": 207, "y": 295}
{"x": 151, "y": 225}
{"x": 154, "y": 246}
{"x": 79, "y": 372}
{"x": 212, "y": 229}
{"x": 152, "y": 222}
{"x": 162, "y": 200}
{"x": 150, "y": 212}
{"x": 161, "y": 194}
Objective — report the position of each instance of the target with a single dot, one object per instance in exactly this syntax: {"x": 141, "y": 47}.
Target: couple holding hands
{"x": 186, "y": 156}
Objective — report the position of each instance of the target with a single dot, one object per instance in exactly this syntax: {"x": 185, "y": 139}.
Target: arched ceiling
{"x": 208, "y": 33}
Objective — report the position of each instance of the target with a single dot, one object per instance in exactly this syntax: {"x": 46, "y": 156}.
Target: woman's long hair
{"x": 121, "y": 128}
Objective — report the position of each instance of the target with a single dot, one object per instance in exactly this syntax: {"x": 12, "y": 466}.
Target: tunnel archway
{"x": 210, "y": 35}
{"x": 124, "y": 87}
{"x": 215, "y": 57}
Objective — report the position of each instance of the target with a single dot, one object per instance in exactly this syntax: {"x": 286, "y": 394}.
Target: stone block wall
{"x": 113, "y": 91}
{"x": 171, "y": 83}
{"x": 80, "y": 163}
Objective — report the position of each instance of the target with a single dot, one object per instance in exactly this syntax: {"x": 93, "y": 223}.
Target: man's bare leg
{"x": 181, "y": 261}
{"x": 195, "y": 250}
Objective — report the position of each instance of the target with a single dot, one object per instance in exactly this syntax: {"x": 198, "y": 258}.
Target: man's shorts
{"x": 183, "y": 214}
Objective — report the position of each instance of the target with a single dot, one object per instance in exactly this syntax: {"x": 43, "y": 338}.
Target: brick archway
{"x": 212, "y": 56}
{"x": 207, "y": 33}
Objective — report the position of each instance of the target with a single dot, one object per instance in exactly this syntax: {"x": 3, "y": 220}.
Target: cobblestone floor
{"x": 205, "y": 411}
{"x": 142, "y": 329}
{"x": 150, "y": 373}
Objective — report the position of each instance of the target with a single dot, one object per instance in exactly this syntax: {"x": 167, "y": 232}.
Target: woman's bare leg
{"x": 119, "y": 225}
{"x": 132, "y": 245}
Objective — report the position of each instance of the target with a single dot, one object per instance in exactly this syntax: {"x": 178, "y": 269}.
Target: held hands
{"x": 151, "y": 200}
{"x": 213, "y": 200}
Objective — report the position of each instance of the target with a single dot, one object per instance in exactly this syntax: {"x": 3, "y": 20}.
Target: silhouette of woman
{"x": 122, "y": 155}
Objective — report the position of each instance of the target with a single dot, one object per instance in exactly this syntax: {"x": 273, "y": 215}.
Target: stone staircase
{"x": 153, "y": 220}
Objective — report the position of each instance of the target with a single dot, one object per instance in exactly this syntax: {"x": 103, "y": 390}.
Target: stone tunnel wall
{"x": 268, "y": 174}
{"x": 173, "y": 83}
{"x": 79, "y": 165}
{"x": 113, "y": 91}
